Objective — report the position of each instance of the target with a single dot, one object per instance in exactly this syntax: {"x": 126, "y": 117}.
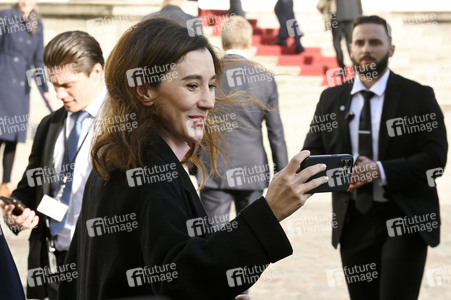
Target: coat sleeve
{"x": 275, "y": 131}
{"x": 207, "y": 267}
{"x": 24, "y": 191}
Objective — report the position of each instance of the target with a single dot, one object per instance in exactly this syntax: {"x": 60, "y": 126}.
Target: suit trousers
{"x": 398, "y": 261}
{"x": 284, "y": 12}
{"x": 217, "y": 202}
{"x": 342, "y": 28}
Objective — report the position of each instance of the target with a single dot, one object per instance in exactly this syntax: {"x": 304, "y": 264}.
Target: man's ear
{"x": 392, "y": 50}
{"x": 147, "y": 94}
{"x": 97, "y": 70}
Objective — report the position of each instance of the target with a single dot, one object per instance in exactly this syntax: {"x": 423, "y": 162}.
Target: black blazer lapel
{"x": 391, "y": 102}
{"x": 56, "y": 124}
{"x": 343, "y": 124}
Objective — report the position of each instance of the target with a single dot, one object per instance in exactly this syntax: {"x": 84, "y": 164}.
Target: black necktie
{"x": 364, "y": 199}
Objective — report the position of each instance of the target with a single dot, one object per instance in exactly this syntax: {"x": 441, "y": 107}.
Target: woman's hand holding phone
{"x": 287, "y": 192}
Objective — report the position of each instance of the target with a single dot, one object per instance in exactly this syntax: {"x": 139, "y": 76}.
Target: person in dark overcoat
{"x": 21, "y": 46}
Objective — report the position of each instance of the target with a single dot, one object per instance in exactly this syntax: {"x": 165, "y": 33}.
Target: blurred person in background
{"x": 391, "y": 213}
{"x": 172, "y": 9}
{"x": 236, "y": 9}
{"x": 139, "y": 179}
{"x": 59, "y": 163}
{"x": 21, "y": 46}
{"x": 289, "y": 26}
{"x": 339, "y": 16}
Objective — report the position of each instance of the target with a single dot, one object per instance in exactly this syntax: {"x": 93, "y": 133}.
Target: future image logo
{"x": 35, "y": 177}
{"x": 196, "y": 227}
{"x": 438, "y": 276}
{"x": 40, "y": 176}
{"x": 42, "y": 75}
{"x": 335, "y": 277}
{"x": 247, "y": 75}
{"x": 151, "y": 174}
{"x": 40, "y": 276}
{"x": 353, "y": 274}
{"x": 249, "y": 275}
{"x": 194, "y": 27}
{"x": 414, "y": 224}
{"x": 110, "y": 225}
{"x": 109, "y": 25}
{"x": 39, "y": 74}
{"x": 235, "y": 77}
{"x": 339, "y": 76}
{"x": 410, "y": 125}
{"x": 200, "y": 226}
{"x": 248, "y": 175}
{"x": 433, "y": 174}
{"x": 151, "y": 75}
{"x": 150, "y": 275}
{"x": 293, "y": 28}
{"x": 337, "y": 177}
{"x": 311, "y": 224}
{"x": 235, "y": 177}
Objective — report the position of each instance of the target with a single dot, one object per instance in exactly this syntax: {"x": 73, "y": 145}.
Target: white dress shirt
{"x": 376, "y": 103}
{"x": 236, "y": 52}
{"x": 82, "y": 169}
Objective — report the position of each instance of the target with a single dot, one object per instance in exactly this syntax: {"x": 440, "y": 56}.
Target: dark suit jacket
{"x": 163, "y": 210}
{"x": 10, "y": 284}
{"x": 244, "y": 141}
{"x": 174, "y": 13}
{"x": 405, "y": 158}
{"x": 41, "y": 156}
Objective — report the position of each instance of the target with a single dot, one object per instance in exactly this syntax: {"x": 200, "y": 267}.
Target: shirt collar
{"x": 236, "y": 52}
{"x": 95, "y": 106}
{"x": 378, "y": 88}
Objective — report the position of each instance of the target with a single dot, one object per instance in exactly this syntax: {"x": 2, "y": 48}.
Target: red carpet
{"x": 311, "y": 61}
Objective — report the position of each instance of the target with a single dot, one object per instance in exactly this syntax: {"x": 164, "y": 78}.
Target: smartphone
{"x": 19, "y": 206}
{"x": 338, "y": 169}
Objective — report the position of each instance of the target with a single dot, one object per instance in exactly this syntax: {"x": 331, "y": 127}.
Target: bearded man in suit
{"x": 390, "y": 214}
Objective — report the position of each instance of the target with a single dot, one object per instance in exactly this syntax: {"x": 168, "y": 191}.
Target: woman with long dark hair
{"x": 142, "y": 229}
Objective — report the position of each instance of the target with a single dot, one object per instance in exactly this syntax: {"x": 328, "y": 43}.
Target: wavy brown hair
{"x": 152, "y": 42}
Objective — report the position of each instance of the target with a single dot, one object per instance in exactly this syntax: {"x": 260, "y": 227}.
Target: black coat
{"x": 20, "y": 51}
{"x": 165, "y": 234}
{"x": 405, "y": 158}
{"x": 41, "y": 156}
{"x": 10, "y": 284}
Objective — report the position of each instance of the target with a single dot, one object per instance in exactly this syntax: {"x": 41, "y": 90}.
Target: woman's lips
{"x": 198, "y": 121}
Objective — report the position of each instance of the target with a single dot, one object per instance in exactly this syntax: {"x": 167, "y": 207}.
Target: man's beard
{"x": 371, "y": 70}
